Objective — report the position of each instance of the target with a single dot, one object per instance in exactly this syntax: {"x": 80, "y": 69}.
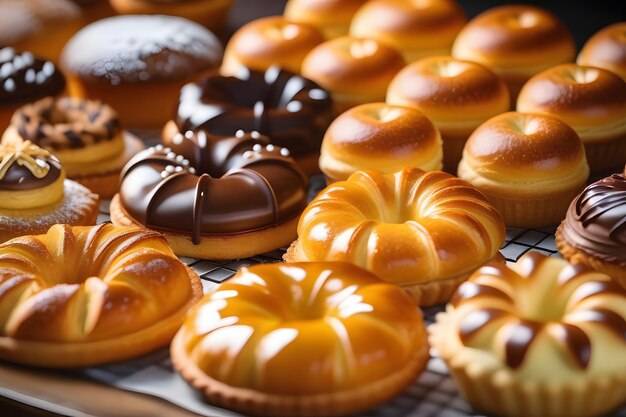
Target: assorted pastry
{"x": 336, "y": 329}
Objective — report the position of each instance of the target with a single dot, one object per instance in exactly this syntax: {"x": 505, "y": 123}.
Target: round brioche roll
{"x": 331, "y": 17}
{"x": 528, "y": 166}
{"x": 380, "y": 136}
{"x": 354, "y": 70}
{"x": 516, "y": 42}
{"x": 270, "y": 41}
{"x": 456, "y": 95}
{"x": 606, "y": 49}
{"x": 592, "y": 101}
{"x": 415, "y": 28}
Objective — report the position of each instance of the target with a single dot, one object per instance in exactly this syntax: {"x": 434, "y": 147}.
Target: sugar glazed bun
{"x": 85, "y": 135}
{"x": 542, "y": 338}
{"x": 214, "y": 197}
{"x": 606, "y": 49}
{"x": 270, "y": 41}
{"x": 592, "y": 101}
{"x": 331, "y": 17}
{"x": 39, "y": 26}
{"x": 594, "y": 231}
{"x": 25, "y": 78}
{"x": 138, "y": 63}
{"x": 35, "y": 195}
{"x": 415, "y": 28}
{"x": 423, "y": 231}
{"x": 528, "y": 166}
{"x": 81, "y": 296}
{"x": 307, "y": 339}
{"x": 379, "y": 136}
{"x": 212, "y": 14}
{"x": 293, "y": 111}
{"x": 355, "y": 71}
{"x": 516, "y": 42}
{"x": 456, "y": 95}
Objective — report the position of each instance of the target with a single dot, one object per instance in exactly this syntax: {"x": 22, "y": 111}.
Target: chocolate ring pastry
{"x": 293, "y": 111}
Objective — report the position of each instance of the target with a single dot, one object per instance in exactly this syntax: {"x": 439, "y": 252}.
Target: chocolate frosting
{"x": 66, "y": 122}
{"x": 25, "y": 78}
{"x": 26, "y": 167}
{"x": 288, "y": 108}
{"x": 596, "y": 220}
{"x": 215, "y": 185}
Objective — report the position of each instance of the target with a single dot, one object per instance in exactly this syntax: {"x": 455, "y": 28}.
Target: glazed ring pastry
{"x": 81, "y": 296}
{"x": 423, "y": 231}
{"x": 544, "y": 338}
{"x": 290, "y": 109}
{"x": 307, "y": 339}
{"x": 85, "y": 135}
{"x": 35, "y": 195}
{"x": 214, "y": 197}
{"x": 606, "y": 49}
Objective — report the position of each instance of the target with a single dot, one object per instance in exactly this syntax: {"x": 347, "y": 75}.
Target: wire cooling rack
{"x": 432, "y": 394}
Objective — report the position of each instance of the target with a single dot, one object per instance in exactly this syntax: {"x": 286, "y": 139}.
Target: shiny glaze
{"x": 25, "y": 78}
{"x": 25, "y": 166}
{"x": 66, "y": 123}
{"x": 495, "y": 284}
{"x": 596, "y": 220}
{"x": 337, "y": 324}
{"x": 215, "y": 185}
{"x": 293, "y": 111}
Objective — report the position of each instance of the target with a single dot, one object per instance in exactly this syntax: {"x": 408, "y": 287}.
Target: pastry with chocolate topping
{"x": 292, "y": 110}
{"x": 25, "y": 78}
{"x": 35, "y": 195}
{"x": 214, "y": 197}
{"x": 85, "y": 135}
{"x": 594, "y": 231}
{"x": 542, "y": 338}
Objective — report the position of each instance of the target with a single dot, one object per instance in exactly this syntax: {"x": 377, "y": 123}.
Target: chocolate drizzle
{"x": 24, "y": 166}
{"x": 290, "y": 109}
{"x": 520, "y": 336}
{"x": 25, "y": 78}
{"x": 577, "y": 343}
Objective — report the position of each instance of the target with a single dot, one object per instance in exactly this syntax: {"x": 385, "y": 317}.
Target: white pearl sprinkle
{"x": 178, "y": 169}
{"x": 159, "y": 147}
{"x": 167, "y": 150}
{"x": 185, "y": 162}
{"x": 257, "y": 147}
{"x": 192, "y": 170}
{"x": 270, "y": 148}
{"x": 255, "y": 134}
{"x": 179, "y": 158}
{"x": 247, "y": 155}
{"x": 169, "y": 168}
{"x": 284, "y": 152}
{"x": 164, "y": 174}
{"x": 171, "y": 155}
{"x": 239, "y": 133}
{"x": 189, "y": 134}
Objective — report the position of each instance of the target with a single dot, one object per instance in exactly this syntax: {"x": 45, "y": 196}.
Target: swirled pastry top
{"x": 288, "y": 108}
{"x": 216, "y": 185}
{"x": 141, "y": 48}
{"x": 25, "y": 166}
{"x": 596, "y": 220}
{"x": 25, "y": 78}
{"x": 339, "y": 325}
{"x": 544, "y": 319}
{"x": 66, "y": 123}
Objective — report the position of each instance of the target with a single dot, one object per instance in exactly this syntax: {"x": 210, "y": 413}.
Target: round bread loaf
{"x": 606, "y": 49}
{"x": 331, "y": 17}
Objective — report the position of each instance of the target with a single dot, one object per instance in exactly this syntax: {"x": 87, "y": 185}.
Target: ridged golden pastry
{"x": 423, "y": 231}
{"x": 516, "y": 42}
{"x": 380, "y": 136}
{"x": 544, "y": 338}
{"x": 331, "y": 17}
{"x": 80, "y": 296}
{"x": 415, "y": 28}
{"x": 306, "y": 339}
{"x": 592, "y": 101}
{"x": 270, "y": 41}
{"x": 355, "y": 71}
{"x": 529, "y": 167}
{"x": 606, "y": 49}
{"x": 456, "y": 95}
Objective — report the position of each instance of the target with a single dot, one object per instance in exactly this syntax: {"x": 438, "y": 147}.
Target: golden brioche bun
{"x": 270, "y": 41}
{"x": 416, "y": 29}
{"x": 515, "y": 41}
{"x": 380, "y": 136}
{"x": 606, "y": 49}
{"x": 456, "y": 95}
{"x": 355, "y": 71}
{"x": 528, "y": 166}
{"x": 592, "y": 101}
{"x": 331, "y": 17}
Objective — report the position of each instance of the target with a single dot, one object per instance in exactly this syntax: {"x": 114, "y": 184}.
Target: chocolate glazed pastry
{"x": 214, "y": 197}
{"x": 293, "y": 111}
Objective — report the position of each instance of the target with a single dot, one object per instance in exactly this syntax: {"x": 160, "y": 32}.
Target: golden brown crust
{"x": 331, "y": 17}
{"x": 606, "y": 49}
{"x": 270, "y": 41}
